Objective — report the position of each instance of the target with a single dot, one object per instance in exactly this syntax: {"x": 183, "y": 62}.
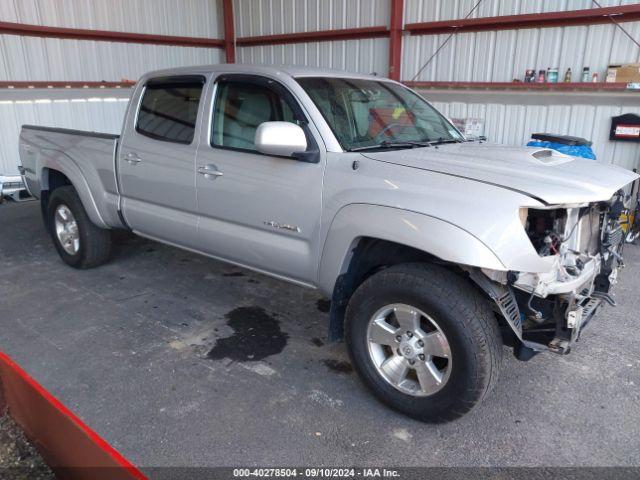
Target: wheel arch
{"x": 67, "y": 173}
{"x": 363, "y": 239}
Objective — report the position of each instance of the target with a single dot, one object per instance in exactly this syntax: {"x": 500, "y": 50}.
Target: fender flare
{"x": 65, "y": 165}
{"x": 429, "y": 234}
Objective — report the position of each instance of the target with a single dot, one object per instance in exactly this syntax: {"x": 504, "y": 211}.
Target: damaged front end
{"x": 582, "y": 245}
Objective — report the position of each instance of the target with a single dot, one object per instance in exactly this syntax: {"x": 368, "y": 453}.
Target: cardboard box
{"x": 628, "y": 73}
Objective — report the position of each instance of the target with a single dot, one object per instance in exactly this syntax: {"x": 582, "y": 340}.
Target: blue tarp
{"x": 583, "y": 151}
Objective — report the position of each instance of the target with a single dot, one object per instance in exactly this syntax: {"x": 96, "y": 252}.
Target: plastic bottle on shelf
{"x": 586, "y": 73}
{"x": 594, "y": 79}
{"x": 567, "y": 76}
{"x": 542, "y": 76}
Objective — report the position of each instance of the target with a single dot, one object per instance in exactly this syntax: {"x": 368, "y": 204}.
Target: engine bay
{"x": 583, "y": 245}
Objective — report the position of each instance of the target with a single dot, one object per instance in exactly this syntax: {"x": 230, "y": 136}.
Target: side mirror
{"x": 280, "y": 138}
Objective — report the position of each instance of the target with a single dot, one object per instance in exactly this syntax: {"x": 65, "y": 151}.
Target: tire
{"x": 93, "y": 246}
{"x": 446, "y": 305}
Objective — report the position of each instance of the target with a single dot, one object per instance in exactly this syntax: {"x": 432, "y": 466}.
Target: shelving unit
{"x": 521, "y": 86}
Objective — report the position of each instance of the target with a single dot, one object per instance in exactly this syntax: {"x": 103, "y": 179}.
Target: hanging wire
{"x": 596, "y": 3}
{"x": 446, "y": 41}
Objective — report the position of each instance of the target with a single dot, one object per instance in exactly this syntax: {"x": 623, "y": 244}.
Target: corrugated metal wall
{"x": 505, "y": 55}
{"x": 28, "y": 58}
{"x": 486, "y": 56}
{"x": 98, "y": 111}
{"x": 513, "y": 124}
{"x": 269, "y": 17}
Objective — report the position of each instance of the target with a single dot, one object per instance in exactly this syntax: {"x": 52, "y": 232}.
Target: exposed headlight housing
{"x": 545, "y": 228}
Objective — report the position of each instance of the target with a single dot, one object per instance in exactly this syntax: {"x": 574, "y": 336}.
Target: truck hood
{"x": 540, "y": 173}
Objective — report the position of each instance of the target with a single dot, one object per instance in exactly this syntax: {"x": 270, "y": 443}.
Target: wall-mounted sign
{"x": 625, "y": 128}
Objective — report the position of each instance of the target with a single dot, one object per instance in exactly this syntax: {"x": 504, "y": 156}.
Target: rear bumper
{"x": 13, "y": 186}
{"x": 10, "y": 184}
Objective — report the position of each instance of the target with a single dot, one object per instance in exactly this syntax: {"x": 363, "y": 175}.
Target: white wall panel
{"x": 96, "y": 110}
{"x": 270, "y": 17}
{"x": 436, "y": 10}
{"x": 195, "y": 18}
{"x": 505, "y": 55}
{"x": 513, "y": 125}
{"x": 362, "y": 56}
{"x": 51, "y": 59}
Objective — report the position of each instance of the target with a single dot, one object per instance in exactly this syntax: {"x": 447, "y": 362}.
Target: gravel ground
{"x": 19, "y": 460}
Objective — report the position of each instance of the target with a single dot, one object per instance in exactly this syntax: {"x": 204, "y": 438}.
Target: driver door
{"x": 257, "y": 210}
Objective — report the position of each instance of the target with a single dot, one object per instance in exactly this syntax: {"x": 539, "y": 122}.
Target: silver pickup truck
{"x": 435, "y": 251}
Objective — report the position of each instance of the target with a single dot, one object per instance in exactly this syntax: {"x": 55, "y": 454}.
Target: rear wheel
{"x": 424, "y": 341}
{"x": 79, "y": 242}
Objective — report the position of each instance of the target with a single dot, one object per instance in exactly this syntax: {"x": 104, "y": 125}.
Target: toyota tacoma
{"x": 435, "y": 251}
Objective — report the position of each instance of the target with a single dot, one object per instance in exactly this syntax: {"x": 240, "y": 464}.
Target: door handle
{"x": 132, "y": 158}
{"x": 210, "y": 172}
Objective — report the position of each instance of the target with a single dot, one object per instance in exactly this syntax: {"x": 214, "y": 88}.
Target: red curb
{"x": 81, "y": 453}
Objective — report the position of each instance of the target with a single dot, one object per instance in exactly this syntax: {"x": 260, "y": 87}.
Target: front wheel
{"x": 424, "y": 340}
{"x": 79, "y": 242}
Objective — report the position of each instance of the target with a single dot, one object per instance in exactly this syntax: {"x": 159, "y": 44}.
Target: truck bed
{"x": 88, "y": 157}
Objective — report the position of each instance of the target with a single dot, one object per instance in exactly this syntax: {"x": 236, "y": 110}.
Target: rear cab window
{"x": 169, "y": 108}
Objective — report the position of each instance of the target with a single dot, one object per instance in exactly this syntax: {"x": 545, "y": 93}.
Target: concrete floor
{"x": 130, "y": 348}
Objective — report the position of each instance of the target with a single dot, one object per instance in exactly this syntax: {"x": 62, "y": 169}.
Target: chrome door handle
{"x": 132, "y": 158}
{"x": 210, "y": 171}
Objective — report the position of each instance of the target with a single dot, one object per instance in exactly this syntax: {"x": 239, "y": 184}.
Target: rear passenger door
{"x": 156, "y": 163}
{"x": 261, "y": 211}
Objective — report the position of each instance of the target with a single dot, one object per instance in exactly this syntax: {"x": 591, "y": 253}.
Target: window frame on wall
{"x": 177, "y": 81}
{"x": 300, "y": 118}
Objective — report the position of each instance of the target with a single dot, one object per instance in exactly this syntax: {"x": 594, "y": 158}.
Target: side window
{"x": 169, "y": 108}
{"x": 240, "y": 107}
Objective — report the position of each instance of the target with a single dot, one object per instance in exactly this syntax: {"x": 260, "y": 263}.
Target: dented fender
{"x": 432, "y": 235}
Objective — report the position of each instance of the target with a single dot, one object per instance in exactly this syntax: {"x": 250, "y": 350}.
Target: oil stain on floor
{"x": 257, "y": 335}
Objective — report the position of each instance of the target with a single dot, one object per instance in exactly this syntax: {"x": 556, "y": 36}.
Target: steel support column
{"x": 229, "y": 32}
{"x": 395, "y": 39}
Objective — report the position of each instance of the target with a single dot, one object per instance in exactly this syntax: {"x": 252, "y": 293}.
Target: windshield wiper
{"x": 442, "y": 140}
{"x": 389, "y": 144}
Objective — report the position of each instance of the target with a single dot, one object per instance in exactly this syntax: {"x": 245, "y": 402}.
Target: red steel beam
{"x": 593, "y": 16}
{"x": 28, "y": 84}
{"x": 9, "y": 28}
{"x": 395, "y": 39}
{"x": 229, "y": 32}
{"x": 317, "y": 36}
{"x": 587, "y": 86}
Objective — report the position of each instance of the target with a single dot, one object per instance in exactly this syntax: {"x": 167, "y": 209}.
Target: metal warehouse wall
{"x": 484, "y": 56}
{"x": 50, "y": 59}
{"x": 98, "y": 110}
{"x": 512, "y": 123}
{"x": 29, "y": 58}
{"x": 267, "y": 17}
{"x": 505, "y": 55}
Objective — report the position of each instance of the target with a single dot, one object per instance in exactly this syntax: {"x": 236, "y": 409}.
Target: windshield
{"x": 377, "y": 114}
